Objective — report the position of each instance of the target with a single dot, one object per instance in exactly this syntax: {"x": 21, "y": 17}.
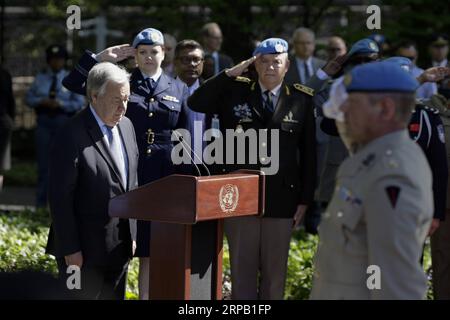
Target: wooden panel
{"x": 219, "y": 261}
{"x": 241, "y": 190}
{"x": 170, "y": 252}
{"x": 171, "y": 199}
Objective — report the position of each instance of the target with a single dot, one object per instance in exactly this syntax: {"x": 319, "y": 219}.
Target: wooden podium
{"x": 187, "y": 228}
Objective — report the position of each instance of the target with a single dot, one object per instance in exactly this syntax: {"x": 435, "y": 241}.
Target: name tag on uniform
{"x": 170, "y": 98}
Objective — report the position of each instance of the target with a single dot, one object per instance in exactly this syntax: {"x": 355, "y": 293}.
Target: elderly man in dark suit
{"x": 94, "y": 158}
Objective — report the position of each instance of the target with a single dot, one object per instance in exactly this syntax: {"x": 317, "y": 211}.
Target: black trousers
{"x": 97, "y": 282}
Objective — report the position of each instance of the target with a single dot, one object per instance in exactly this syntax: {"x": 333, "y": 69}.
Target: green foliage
{"x": 23, "y": 237}
{"x": 23, "y": 174}
{"x": 300, "y": 266}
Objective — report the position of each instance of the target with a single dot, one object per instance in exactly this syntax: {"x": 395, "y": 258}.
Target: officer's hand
{"x": 298, "y": 217}
{"x": 75, "y": 259}
{"x": 49, "y": 103}
{"x": 116, "y": 53}
{"x": 434, "y": 74}
{"x": 239, "y": 69}
{"x": 333, "y": 66}
{"x": 434, "y": 226}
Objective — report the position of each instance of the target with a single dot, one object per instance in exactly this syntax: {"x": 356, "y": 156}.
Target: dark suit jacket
{"x": 225, "y": 62}
{"x": 238, "y": 102}
{"x": 82, "y": 180}
{"x": 292, "y": 75}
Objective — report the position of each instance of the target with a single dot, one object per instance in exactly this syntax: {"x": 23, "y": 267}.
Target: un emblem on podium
{"x": 228, "y": 198}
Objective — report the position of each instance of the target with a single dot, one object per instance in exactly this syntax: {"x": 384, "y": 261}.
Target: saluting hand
{"x": 434, "y": 74}
{"x": 333, "y": 66}
{"x": 239, "y": 69}
{"x": 116, "y": 53}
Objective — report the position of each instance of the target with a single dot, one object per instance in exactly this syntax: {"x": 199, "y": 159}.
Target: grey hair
{"x": 303, "y": 30}
{"x": 101, "y": 74}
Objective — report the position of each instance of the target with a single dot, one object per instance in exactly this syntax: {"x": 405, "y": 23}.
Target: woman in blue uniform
{"x": 156, "y": 107}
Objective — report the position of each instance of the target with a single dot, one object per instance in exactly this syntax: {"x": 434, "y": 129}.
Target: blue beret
{"x": 56, "y": 51}
{"x": 364, "y": 46}
{"x": 271, "y": 45}
{"x": 378, "y": 38}
{"x": 403, "y": 62}
{"x": 380, "y": 77}
{"x": 149, "y": 36}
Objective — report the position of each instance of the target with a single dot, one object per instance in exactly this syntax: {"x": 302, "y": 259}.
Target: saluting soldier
{"x": 373, "y": 230}
{"x": 155, "y": 106}
{"x": 261, "y": 244}
{"x": 427, "y": 129}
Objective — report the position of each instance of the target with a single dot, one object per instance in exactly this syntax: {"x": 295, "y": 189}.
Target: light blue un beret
{"x": 380, "y": 77}
{"x": 271, "y": 45}
{"x": 149, "y": 36}
{"x": 364, "y": 46}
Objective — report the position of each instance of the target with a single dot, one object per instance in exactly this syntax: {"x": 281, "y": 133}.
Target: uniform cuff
{"x": 321, "y": 74}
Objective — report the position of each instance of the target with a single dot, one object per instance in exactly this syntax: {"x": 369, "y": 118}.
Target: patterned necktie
{"x": 269, "y": 100}
{"x": 115, "y": 149}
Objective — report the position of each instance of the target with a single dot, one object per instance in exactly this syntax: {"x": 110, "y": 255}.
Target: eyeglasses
{"x": 189, "y": 60}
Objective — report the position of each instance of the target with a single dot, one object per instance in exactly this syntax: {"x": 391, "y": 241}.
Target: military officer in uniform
{"x": 373, "y": 230}
{"x": 155, "y": 108}
{"x": 53, "y": 105}
{"x": 362, "y": 51}
{"x": 261, "y": 244}
{"x": 427, "y": 129}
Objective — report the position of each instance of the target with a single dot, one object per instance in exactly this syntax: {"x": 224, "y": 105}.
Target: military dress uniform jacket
{"x": 239, "y": 104}
{"x": 379, "y": 215}
{"x": 426, "y": 128}
{"x": 154, "y": 115}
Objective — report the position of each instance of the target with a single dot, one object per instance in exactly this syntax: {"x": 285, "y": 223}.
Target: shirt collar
{"x": 100, "y": 123}
{"x": 155, "y": 77}
{"x": 443, "y": 63}
{"x": 275, "y": 91}
{"x": 308, "y": 61}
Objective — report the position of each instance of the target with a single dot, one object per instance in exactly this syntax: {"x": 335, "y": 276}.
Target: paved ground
{"x": 17, "y": 198}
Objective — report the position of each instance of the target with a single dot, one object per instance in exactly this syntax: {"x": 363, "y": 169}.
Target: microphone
{"x": 188, "y": 149}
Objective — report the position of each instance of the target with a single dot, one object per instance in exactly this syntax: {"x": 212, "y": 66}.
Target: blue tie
{"x": 151, "y": 84}
{"x": 269, "y": 100}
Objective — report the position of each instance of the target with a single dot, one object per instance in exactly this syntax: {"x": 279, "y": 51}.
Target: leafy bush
{"x": 23, "y": 237}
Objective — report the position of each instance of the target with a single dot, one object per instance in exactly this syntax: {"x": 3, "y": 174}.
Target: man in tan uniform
{"x": 374, "y": 228}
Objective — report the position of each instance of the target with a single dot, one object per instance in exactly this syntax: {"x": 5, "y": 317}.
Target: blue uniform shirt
{"x": 70, "y": 102}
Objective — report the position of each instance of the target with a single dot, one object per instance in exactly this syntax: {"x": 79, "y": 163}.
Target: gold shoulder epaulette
{"x": 242, "y": 79}
{"x": 304, "y": 89}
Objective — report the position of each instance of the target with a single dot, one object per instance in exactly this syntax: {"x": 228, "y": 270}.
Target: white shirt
{"x": 443, "y": 63}
{"x": 155, "y": 77}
